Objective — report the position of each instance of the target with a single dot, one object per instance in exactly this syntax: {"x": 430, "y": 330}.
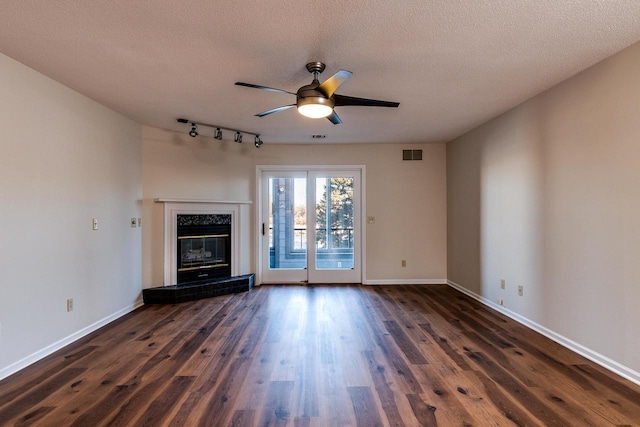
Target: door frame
{"x": 260, "y": 199}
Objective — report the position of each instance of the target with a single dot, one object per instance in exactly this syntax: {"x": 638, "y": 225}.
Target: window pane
{"x": 334, "y": 223}
{"x": 287, "y": 223}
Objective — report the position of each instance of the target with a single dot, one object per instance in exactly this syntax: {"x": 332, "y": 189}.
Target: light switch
{"x": 95, "y": 223}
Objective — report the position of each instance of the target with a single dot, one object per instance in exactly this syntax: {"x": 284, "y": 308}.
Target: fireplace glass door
{"x": 204, "y": 247}
{"x": 198, "y": 252}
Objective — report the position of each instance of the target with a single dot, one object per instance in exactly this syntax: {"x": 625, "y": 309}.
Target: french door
{"x": 310, "y": 226}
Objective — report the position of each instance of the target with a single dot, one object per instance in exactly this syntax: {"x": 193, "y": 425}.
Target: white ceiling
{"x": 451, "y": 64}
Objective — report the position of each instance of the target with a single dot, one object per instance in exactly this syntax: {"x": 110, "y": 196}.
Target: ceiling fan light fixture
{"x": 315, "y": 107}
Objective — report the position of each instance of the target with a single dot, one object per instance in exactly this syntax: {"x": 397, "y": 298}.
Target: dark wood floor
{"x": 318, "y": 356}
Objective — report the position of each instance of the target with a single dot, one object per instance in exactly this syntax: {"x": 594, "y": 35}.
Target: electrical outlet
{"x": 501, "y": 301}
{"x": 139, "y": 222}
{"x": 521, "y": 290}
{"x": 404, "y": 262}
{"x": 503, "y": 284}
{"x": 134, "y": 223}
{"x": 70, "y": 304}
{"x": 371, "y": 220}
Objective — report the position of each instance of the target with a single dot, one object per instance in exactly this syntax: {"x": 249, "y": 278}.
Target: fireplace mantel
{"x": 222, "y": 202}
{"x": 175, "y": 207}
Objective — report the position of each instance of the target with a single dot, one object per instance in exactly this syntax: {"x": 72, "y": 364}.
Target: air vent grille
{"x": 411, "y": 154}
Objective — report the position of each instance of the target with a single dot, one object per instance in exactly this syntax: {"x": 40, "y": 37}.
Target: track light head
{"x": 194, "y": 130}
{"x": 238, "y": 138}
{"x": 218, "y": 134}
{"x": 257, "y": 141}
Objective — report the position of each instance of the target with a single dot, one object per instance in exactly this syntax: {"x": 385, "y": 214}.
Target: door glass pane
{"x": 334, "y": 223}
{"x": 287, "y": 223}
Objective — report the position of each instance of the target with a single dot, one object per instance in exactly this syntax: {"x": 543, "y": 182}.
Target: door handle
{"x": 263, "y": 228}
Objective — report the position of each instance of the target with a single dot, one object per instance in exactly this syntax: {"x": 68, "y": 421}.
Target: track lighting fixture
{"x": 257, "y": 141}
{"x": 217, "y": 134}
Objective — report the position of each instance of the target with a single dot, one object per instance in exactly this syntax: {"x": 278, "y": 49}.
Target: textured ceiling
{"x": 452, "y": 65}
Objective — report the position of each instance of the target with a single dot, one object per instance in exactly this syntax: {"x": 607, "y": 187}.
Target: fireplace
{"x": 203, "y": 247}
{"x": 202, "y": 218}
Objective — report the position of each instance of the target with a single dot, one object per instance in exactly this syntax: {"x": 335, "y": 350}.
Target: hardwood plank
{"x": 518, "y": 391}
{"x": 119, "y": 398}
{"x": 441, "y": 393}
{"x": 562, "y": 400}
{"x": 219, "y": 406}
{"x": 424, "y": 413}
{"x": 258, "y": 378}
{"x": 13, "y": 392}
{"x": 383, "y": 390}
{"x": 38, "y": 393}
{"x": 392, "y": 356}
{"x": 404, "y": 313}
{"x": 301, "y": 422}
{"x": 161, "y": 406}
{"x": 97, "y": 381}
{"x": 34, "y": 416}
{"x": 503, "y": 402}
{"x": 405, "y": 344}
{"x": 318, "y": 355}
{"x": 277, "y": 409}
{"x": 443, "y": 343}
{"x": 333, "y": 391}
{"x": 364, "y": 406}
{"x": 216, "y": 367}
{"x": 243, "y": 418}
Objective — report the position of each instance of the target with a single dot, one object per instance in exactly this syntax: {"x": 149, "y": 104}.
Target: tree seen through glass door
{"x": 334, "y": 222}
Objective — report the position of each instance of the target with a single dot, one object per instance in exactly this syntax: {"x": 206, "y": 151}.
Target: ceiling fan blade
{"x": 263, "y": 87}
{"x": 333, "y": 118}
{"x": 331, "y": 85}
{"x": 342, "y": 100}
{"x": 275, "y": 110}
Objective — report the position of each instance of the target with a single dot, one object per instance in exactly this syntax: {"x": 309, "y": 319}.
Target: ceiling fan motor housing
{"x": 310, "y": 95}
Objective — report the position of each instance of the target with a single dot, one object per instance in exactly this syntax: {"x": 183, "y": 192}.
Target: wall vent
{"x": 411, "y": 154}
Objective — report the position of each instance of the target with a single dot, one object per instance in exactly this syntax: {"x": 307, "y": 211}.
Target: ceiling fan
{"x": 317, "y": 100}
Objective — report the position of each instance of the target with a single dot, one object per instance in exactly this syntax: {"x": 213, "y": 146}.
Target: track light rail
{"x": 218, "y": 132}
{"x": 217, "y": 127}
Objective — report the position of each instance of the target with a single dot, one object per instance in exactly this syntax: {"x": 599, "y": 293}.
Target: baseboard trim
{"x": 405, "y": 282}
{"x": 594, "y": 356}
{"x": 41, "y": 354}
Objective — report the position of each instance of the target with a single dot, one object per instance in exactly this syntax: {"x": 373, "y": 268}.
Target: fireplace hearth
{"x": 198, "y": 290}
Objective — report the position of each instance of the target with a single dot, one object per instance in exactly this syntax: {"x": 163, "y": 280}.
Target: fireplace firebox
{"x": 204, "y": 247}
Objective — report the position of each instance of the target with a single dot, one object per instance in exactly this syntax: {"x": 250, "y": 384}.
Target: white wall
{"x": 548, "y": 196}
{"x": 64, "y": 159}
{"x": 407, "y": 198}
